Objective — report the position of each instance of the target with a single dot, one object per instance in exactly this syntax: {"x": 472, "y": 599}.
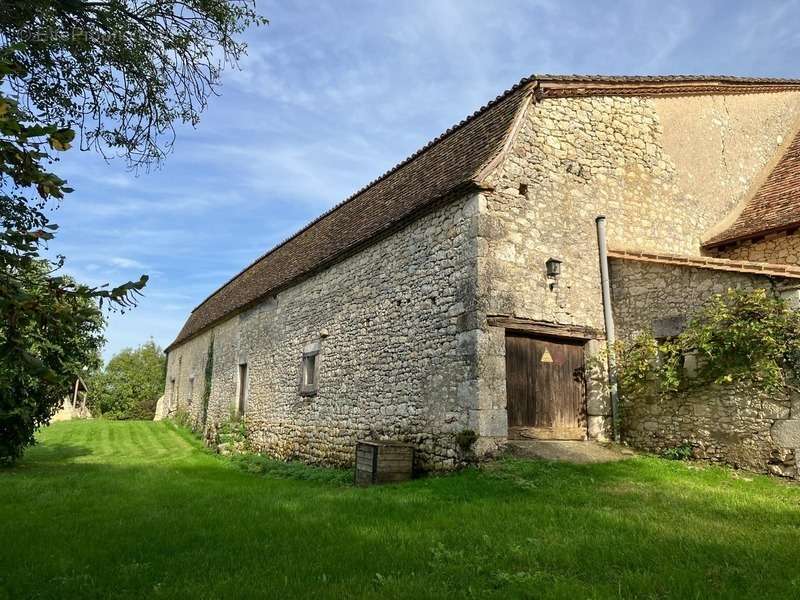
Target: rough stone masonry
{"x": 738, "y": 425}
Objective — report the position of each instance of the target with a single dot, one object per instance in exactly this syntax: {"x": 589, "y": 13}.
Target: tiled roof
{"x": 705, "y": 262}
{"x": 447, "y": 164}
{"x": 454, "y": 161}
{"x": 774, "y": 207}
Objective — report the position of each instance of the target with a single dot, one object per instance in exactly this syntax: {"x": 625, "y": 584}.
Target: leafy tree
{"x": 42, "y": 349}
{"x": 124, "y": 71}
{"x": 121, "y": 73}
{"x": 50, "y": 325}
{"x": 130, "y": 384}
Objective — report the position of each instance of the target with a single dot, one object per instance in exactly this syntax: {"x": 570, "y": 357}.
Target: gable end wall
{"x": 664, "y": 171}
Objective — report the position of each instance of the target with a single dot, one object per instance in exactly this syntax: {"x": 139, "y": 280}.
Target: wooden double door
{"x": 546, "y": 388}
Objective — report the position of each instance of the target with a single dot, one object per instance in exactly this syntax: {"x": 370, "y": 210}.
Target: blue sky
{"x": 334, "y": 94}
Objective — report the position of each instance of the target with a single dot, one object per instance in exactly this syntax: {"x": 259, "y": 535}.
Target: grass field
{"x": 139, "y": 510}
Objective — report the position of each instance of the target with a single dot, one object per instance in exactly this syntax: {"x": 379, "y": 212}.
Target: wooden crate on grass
{"x": 383, "y": 462}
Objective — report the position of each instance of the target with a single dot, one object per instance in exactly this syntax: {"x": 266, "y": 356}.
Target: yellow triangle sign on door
{"x": 546, "y": 358}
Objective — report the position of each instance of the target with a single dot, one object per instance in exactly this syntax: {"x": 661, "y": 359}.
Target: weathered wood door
{"x": 545, "y": 388}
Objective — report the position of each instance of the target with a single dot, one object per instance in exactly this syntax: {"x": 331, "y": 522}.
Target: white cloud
{"x": 125, "y": 263}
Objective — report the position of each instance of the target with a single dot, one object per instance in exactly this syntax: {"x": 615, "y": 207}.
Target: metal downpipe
{"x": 608, "y": 317}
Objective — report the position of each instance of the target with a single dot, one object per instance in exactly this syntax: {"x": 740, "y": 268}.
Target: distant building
{"x": 74, "y": 406}
{"x": 427, "y": 304}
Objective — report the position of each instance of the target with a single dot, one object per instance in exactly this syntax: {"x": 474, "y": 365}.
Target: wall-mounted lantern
{"x": 553, "y": 267}
{"x": 553, "y": 271}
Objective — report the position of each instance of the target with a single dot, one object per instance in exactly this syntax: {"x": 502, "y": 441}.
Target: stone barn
{"x": 461, "y": 291}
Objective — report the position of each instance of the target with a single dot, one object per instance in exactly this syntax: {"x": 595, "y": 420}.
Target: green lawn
{"x": 140, "y": 510}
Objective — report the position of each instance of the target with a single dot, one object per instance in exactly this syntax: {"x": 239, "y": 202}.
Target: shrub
{"x": 182, "y": 418}
{"x": 682, "y": 452}
{"x": 736, "y": 337}
{"x": 466, "y": 439}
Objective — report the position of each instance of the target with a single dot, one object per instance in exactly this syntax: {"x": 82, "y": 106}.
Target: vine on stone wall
{"x": 735, "y": 337}
{"x": 208, "y": 375}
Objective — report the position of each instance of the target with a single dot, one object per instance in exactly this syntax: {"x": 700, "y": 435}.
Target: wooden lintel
{"x": 544, "y": 328}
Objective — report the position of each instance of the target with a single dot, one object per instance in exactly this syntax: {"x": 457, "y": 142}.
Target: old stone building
{"x": 461, "y": 290}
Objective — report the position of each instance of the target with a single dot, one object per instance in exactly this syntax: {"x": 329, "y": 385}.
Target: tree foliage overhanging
{"x": 50, "y": 325}
{"x": 119, "y": 73}
{"x": 124, "y": 71}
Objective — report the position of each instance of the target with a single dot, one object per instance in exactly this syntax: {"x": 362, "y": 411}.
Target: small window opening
{"x": 523, "y": 189}
{"x": 309, "y": 374}
{"x": 241, "y": 404}
{"x": 308, "y": 369}
{"x": 190, "y": 395}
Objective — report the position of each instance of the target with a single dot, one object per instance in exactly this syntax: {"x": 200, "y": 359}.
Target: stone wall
{"x": 779, "y": 248}
{"x": 735, "y": 425}
{"x": 663, "y": 170}
{"x": 397, "y": 350}
{"x": 647, "y": 296}
{"x": 732, "y": 424}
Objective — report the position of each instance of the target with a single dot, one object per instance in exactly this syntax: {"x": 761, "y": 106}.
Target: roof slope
{"x": 774, "y": 207}
{"x": 451, "y": 162}
{"x": 445, "y": 165}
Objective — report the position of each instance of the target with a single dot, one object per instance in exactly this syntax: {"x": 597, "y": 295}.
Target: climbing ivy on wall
{"x": 209, "y": 374}
{"x": 735, "y": 337}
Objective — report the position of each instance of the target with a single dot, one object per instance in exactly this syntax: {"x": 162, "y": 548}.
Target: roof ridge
{"x": 458, "y": 157}
{"x": 466, "y": 120}
{"x": 547, "y": 77}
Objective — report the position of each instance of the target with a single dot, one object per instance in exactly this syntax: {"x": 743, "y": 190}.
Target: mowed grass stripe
{"x": 177, "y": 447}
{"x": 140, "y": 444}
{"x": 182, "y": 437}
{"x": 158, "y": 442}
{"x": 125, "y": 441}
{"x": 139, "y": 447}
{"x": 139, "y": 509}
{"x": 108, "y": 439}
